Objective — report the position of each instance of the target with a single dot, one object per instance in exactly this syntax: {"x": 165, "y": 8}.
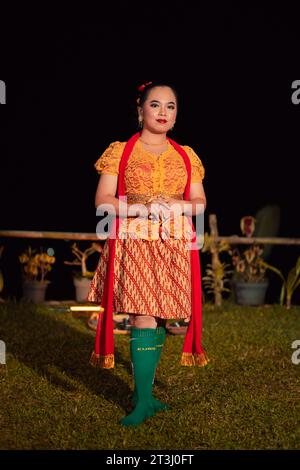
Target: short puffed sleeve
{"x": 108, "y": 162}
{"x": 197, "y": 168}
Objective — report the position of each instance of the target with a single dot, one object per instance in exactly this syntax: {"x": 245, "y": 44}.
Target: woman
{"x": 148, "y": 268}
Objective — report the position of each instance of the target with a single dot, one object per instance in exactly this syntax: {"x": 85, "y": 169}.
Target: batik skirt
{"x": 151, "y": 277}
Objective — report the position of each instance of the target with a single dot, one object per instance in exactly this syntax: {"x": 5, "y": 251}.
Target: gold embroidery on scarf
{"x": 189, "y": 359}
{"x": 201, "y": 359}
{"x": 103, "y": 362}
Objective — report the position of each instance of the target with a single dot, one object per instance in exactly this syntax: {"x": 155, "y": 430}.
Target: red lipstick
{"x": 162, "y": 121}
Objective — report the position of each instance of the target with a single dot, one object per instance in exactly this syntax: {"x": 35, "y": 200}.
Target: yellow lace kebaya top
{"x": 148, "y": 174}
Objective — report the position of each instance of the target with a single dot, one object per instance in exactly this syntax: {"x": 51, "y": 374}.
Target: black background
{"x": 71, "y": 88}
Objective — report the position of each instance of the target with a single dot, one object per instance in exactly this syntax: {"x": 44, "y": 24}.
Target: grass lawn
{"x": 247, "y": 397}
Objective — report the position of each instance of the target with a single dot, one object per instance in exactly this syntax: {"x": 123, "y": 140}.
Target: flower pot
{"x": 250, "y": 293}
{"x": 82, "y": 287}
{"x": 34, "y": 291}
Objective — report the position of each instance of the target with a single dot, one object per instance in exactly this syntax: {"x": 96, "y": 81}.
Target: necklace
{"x": 151, "y": 144}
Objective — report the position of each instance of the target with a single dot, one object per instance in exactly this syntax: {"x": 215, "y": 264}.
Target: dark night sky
{"x": 71, "y": 92}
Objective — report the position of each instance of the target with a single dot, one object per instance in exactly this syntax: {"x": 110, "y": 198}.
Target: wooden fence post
{"x": 215, "y": 261}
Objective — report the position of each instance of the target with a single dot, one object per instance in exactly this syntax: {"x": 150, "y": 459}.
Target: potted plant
{"x": 249, "y": 280}
{"x": 290, "y": 284}
{"x": 82, "y": 279}
{"x": 35, "y": 266}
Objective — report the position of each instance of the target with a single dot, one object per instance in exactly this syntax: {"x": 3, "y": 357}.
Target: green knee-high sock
{"x": 160, "y": 340}
{"x": 143, "y": 357}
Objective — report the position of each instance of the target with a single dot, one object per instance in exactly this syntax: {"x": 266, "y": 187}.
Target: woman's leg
{"x": 143, "y": 357}
{"x": 143, "y": 321}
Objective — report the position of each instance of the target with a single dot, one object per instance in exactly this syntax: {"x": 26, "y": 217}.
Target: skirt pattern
{"x": 150, "y": 277}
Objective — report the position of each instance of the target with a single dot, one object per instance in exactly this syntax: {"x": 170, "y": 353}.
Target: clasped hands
{"x": 161, "y": 208}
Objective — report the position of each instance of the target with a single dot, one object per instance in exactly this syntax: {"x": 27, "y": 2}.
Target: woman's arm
{"x": 107, "y": 189}
{"x": 197, "y": 199}
{"x": 195, "y": 206}
{"x": 106, "y": 194}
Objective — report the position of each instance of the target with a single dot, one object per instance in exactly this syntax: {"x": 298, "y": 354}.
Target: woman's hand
{"x": 175, "y": 206}
{"x": 165, "y": 207}
{"x": 157, "y": 209}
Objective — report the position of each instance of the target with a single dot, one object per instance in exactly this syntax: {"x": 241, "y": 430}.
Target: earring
{"x": 172, "y": 127}
{"x": 140, "y": 123}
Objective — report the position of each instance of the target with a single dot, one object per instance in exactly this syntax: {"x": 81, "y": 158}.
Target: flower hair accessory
{"x": 142, "y": 87}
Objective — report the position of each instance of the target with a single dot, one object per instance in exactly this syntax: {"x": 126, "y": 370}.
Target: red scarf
{"x": 193, "y": 352}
